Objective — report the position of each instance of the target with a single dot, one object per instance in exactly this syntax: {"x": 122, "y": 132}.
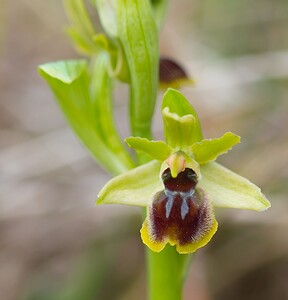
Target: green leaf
{"x": 181, "y": 123}
{"x": 156, "y": 149}
{"x": 69, "y": 81}
{"x": 138, "y": 35}
{"x": 135, "y": 187}
{"x": 228, "y": 189}
{"x": 209, "y": 149}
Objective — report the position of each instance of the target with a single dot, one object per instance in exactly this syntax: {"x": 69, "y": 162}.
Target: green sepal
{"x": 135, "y": 187}
{"x": 228, "y": 189}
{"x": 70, "y": 83}
{"x": 137, "y": 32}
{"x": 156, "y": 149}
{"x": 178, "y": 131}
{"x": 181, "y": 123}
{"x": 178, "y": 104}
{"x": 209, "y": 149}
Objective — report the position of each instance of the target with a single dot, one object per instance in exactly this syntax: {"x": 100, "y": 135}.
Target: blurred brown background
{"x": 55, "y": 244}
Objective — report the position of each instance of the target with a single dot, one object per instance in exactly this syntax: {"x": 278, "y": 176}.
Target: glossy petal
{"x": 185, "y": 221}
{"x": 156, "y": 149}
{"x": 135, "y": 187}
{"x": 181, "y": 123}
{"x": 210, "y": 149}
{"x": 228, "y": 189}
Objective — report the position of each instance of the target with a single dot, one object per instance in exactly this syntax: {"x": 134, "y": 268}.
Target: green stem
{"x": 138, "y": 35}
{"x": 167, "y": 271}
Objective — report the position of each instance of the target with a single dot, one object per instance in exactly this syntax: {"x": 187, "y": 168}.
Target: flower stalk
{"x": 167, "y": 285}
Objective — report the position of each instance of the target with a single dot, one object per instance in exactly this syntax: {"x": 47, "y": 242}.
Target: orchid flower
{"x": 183, "y": 183}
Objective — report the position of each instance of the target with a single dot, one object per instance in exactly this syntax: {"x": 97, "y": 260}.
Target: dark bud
{"x": 171, "y": 74}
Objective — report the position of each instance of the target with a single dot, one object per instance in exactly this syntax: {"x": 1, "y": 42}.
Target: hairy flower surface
{"x": 182, "y": 183}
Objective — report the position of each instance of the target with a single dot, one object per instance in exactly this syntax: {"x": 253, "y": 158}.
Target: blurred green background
{"x": 55, "y": 244}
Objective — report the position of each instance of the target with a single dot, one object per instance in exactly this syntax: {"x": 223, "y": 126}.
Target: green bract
{"x": 183, "y": 171}
{"x": 88, "y": 108}
{"x": 141, "y": 51}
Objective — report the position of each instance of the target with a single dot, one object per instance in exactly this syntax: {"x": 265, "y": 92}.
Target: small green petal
{"x": 208, "y": 150}
{"x": 156, "y": 149}
{"x": 228, "y": 189}
{"x": 181, "y": 123}
{"x": 135, "y": 187}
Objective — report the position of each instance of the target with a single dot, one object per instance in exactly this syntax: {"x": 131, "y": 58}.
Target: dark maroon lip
{"x": 180, "y": 216}
{"x": 180, "y": 211}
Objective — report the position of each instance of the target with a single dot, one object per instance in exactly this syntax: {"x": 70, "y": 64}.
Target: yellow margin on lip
{"x": 182, "y": 249}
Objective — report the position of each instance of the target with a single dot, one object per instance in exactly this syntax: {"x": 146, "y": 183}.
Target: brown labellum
{"x": 180, "y": 212}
